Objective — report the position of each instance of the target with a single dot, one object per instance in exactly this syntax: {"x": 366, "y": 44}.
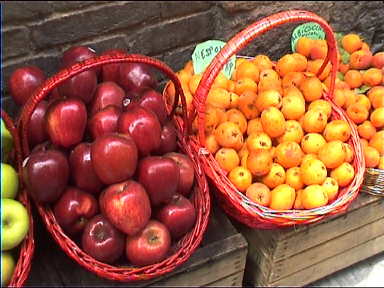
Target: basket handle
{"x": 66, "y": 73}
{"x": 243, "y": 38}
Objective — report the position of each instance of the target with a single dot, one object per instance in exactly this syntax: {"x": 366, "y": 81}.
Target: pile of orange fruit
{"x": 271, "y": 132}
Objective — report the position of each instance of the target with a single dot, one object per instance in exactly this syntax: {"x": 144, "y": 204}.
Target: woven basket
{"x": 235, "y": 203}
{"x": 200, "y": 196}
{"x": 373, "y": 182}
{"x": 27, "y": 248}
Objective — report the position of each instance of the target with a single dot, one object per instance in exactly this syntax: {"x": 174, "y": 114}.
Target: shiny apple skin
{"x": 153, "y": 100}
{"x": 168, "y": 142}
{"x": 81, "y": 86}
{"x": 187, "y": 172}
{"x": 36, "y": 127}
{"x": 104, "y": 121}
{"x": 78, "y": 54}
{"x": 111, "y": 72}
{"x": 107, "y": 93}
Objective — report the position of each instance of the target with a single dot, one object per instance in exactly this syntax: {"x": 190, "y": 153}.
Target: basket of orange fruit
{"x": 277, "y": 148}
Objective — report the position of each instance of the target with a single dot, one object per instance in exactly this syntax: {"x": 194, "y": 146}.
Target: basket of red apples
{"x": 112, "y": 175}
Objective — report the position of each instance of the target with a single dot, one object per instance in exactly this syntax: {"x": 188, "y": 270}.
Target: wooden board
{"x": 220, "y": 260}
{"x": 276, "y": 256}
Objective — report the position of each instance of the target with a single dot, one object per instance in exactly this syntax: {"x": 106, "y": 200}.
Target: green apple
{"x": 7, "y": 268}
{"x": 6, "y": 141}
{"x": 15, "y": 223}
{"x": 9, "y": 181}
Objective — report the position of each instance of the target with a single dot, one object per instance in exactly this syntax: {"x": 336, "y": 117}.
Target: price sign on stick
{"x": 204, "y": 54}
{"x": 310, "y": 30}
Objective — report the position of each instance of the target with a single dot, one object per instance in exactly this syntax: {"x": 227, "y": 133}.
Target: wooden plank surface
{"x": 234, "y": 280}
{"x": 222, "y": 254}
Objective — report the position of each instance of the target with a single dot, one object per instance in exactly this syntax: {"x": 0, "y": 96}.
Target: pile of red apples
{"x": 104, "y": 158}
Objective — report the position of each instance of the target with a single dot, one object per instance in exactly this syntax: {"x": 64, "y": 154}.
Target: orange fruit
{"x": 211, "y": 143}
{"x": 275, "y": 177}
{"x": 235, "y": 116}
{"x": 245, "y": 84}
{"x": 254, "y": 126}
{"x": 267, "y": 99}
{"x": 211, "y": 119}
{"x": 377, "y": 117}
{"x": 294, "y": 92}
{"x": 292, "y": 79}
{"x": 314, "y": 121}
{"x": 314, "y": 67}
{"x": 339, "y": 97}
{"x": 230, "y": 85}
{"x": 377, "y": 141}
{"x": 360, "y": 59}
{"x": 293, "y": 178}
{"x": 234, "y": 100}
{"x": 247, "y": 104}
{"x": 332, "y": 154}
{"x": 259, "y": 193}
{"x": 308, "y": 157}
{"x": 319, "y": 49}
{"x": 247, "y": 69}
{"x": 363, "y": 100}
{"x": 262, "y": 62}
{"x": 293, "y": 107}
{"x": 331, "y": 188}
{"x": 372, "y": 77}
{"x": 219, "y": 97}
{"x": 313, "y": 171}
{"x": 282, "y": 197}
{"x": 244, "y": 158}
{"x": 194, "y": 83}
{"x": 227, "y": 159}
{"x": 221, "y": 81}
{"x": 293, "y": 132}
{"x": 228, "y": 135}
{"x": 343, "y": 174}
{"x": 304, "y": 46}
{"x": 312, "y": 142}
{"x": 312, "y": 89}
{"x": 222, "y": 115}
{"x": 357, "y": 113}
{"x": 322, "y": 105}
{"x": 286, "y": 64}
{"x": 241, "y": 178}
{"x": 298, "y": 204}
{"x": 351, "y": 42}
{"x": 353, "y": 78}
{"x": 366, "y": 130}
{"x": 337, "y": 130}
{"x": 378, "y": 60}
{"x": 184, "y": 76}
{"x": 188, "y": 67}
{"x": 314, "y": 196}
{"x": 364, "y": 142}
{"x": 273, "y": 122}
{"x": 350, "y": 98}
{"x": 343, "y": 68}
{"x": 301, "y": 62}
{"x": 258, "y": 140}
{"x": 349, "y": 154}
{"x": 372, "y": 157}
{"x": 381, "y": 163}
{"x": 265, "y": 85}
{"x": 259, "y": 162}
{"x": 376, "y": 96}
{"x": 289, "y": 154}
{"x": 269, "y": 75}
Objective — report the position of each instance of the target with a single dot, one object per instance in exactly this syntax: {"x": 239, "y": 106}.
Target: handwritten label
{"x": 204, "y": 53}
{"x": 310, "y": 30}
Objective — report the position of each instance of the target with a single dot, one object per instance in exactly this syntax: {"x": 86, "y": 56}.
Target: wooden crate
{"x": 301, "y": 255}
{"x": 220, "y": 261}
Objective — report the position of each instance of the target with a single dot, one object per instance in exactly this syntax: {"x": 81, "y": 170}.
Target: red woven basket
{"x": 201, "y": 198}
{"x": 23, "y": 265}
{"x": 235, "y": 203}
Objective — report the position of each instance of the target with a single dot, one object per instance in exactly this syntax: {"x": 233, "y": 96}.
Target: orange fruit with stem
{"x": 377, "y": 117}
{"x": 273, "y": 122}
{"x": 314, "y": 196}
{"x": 313, "y": 171}
{"x": 312, "y": 142}
{"x": 343, "y": 174}
{"x": 304, "y": 46}
{"x": 228, "y": 135}
{"x": 289, "y": 154}
{"x": 366, "y": 130}
{"x": 247, "y": 69}
{"x": 353, "y": 78}
{"x": 331, "y": 188}
{"x": 262, "y": 62}
{"x": 321, "y": 105}
{"x": 349, "y": 154}
{"x": 292, "y": 79}
{"x": 258, "y": 140}
{"x": 235, "y": 116}
{"x": 351, "y": 42}
{"x": 259, "y": 162}
{"x": 372, "y": 77}
{"x": 314, "y": 121}
{"x": 227, "y": 159}
{"x": 293, "y": 107}
{"x": 376, "y": 96}
{"x": 311, "y": 88}
{"x": 293, "y": 132}
{"x": 357, "y": 113}
{"x": 377, "y": 141}
{"x": 372, "y": 157}
{"x": 267, "y": 99}
{"x": 337, "y": 130}
{"x": 240, "y": 177}
{"x": 245, "y": 84}
{"x": 254, "y": 126}
{"x": 247, "y": 104}
{"x": 275, "y": 177}
{"x": 332, "y": 154}
{"x": 259, "y": 193}
{"x": 293, "y": 178}
{"x": 282, "y": 197}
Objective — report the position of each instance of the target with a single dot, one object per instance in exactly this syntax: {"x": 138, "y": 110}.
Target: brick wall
{"x": 36, "y": 33}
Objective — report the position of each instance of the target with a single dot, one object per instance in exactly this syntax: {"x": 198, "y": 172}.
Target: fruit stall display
{"x": 275, "y": 141}
{"x": 17, "y": 244}
{"x": 108, "y": 167}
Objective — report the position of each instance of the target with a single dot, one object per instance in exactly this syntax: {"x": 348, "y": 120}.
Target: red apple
{"x": 107, "y": 93}
{"x": 104, "y": 121}
{"x": 46, "y": 175}
{"x": 74, "y": 209}
{"x": 153, "y": 100}
{"x": 135, "y": 77}
{"x": 187, "y": 172}
{"x": 160, "y": 177}
{"x": 126, "y": 205}
{"x": 111, "y": 72}
{"x": 179, "y": 216}
{"x": 144, "y": 127}
{"x": 36, "y": 129}
{"x": 168, "y": 142}
{"x": 82, "y": 171}
{"x": 102, "y": 240}
{"x": 78, "y": 54}
{"x": 150, "y": 246}
{"x": 114, "y": 157}
{"x": 81, "y": 86}
{"x": 66, "y": 121}
{"x": 23, "y": 82}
